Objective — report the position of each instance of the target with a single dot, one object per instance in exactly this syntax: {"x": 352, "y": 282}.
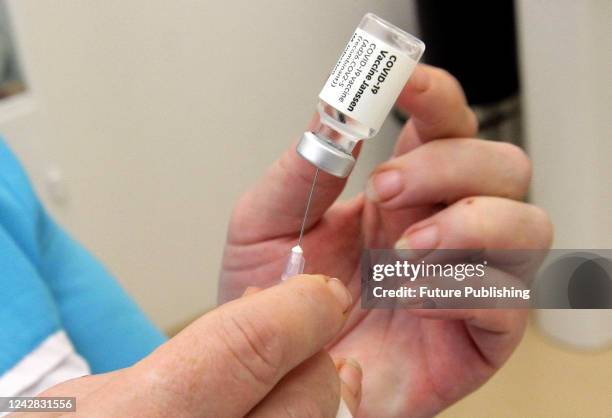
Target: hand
{"x": 440, "y": 189}
{"x": 259, "y": 356}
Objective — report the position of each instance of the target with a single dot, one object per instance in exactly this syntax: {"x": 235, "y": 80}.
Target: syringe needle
{"x": 312, "y": 188}
{"x": 295, "y": 262}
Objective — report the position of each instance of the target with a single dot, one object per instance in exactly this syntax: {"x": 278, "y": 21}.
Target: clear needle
{"x": 296, "y": 261}
{"x": 312, "y": 188}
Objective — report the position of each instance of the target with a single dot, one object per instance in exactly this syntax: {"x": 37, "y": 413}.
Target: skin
{"x": 415, "y": 362}
{"x": 257, "y": 357}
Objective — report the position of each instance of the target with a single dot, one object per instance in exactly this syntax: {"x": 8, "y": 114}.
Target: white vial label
{"x": 367, "y": 79}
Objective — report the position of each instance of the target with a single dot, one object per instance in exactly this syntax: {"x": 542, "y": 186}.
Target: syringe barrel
{"x": 295, "y": 263}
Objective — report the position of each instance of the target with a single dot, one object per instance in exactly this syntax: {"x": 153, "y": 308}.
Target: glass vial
{"x": 360, "y": 92}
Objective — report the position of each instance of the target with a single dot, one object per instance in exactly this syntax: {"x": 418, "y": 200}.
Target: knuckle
{"x": 254, "y": 349}
{"x": 544, "y": 225}
{"x": 521, "y": 167}
{"x": 519, "y": 157}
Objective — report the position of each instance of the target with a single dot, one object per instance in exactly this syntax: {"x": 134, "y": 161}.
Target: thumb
{"x": 312, "y": 389}
{"x": 227, "y": 361}
{"x": 275, "y": 206}
{"x": 351, "y": 375}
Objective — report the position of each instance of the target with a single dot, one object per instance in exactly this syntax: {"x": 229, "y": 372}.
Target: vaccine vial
{"x": 360, "y": 92}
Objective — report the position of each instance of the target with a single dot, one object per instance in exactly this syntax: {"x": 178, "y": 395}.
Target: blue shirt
{"x": 49, "y": 282}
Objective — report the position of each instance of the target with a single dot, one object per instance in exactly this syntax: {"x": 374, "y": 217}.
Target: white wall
{"x": 567, "y": 86}
{"x": 567, "y": 92}
{"x": 159, "y": 114}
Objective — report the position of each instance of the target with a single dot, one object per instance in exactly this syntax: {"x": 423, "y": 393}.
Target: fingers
{"x": 228, "y": 360}
{"x": 351, "y": 375}
{"x": 275, "y": 206}
{"x": 437, "y": 107}
{"x": 251, "y": 290}
{"x": 313, "y": 389}
{"x": 495, "y": 332}
{"x": 446, "y": 171}
{"x": 480, "y": 223}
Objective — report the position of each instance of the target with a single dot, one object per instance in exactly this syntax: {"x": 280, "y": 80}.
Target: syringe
{"x": 296, "y": 261}
{"x": 295, "y": 266}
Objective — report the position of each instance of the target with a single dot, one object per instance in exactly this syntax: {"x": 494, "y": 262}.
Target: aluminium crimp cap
{"x": 324, "y": 154}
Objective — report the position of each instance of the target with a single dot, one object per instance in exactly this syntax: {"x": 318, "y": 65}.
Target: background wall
{"x": 567, "y": 85}
{"x": 567, "y": 94}
{"x": 149, "y": 118}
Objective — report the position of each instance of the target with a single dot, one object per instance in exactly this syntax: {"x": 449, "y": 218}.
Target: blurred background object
{"x": 11, "y": 79}
{"x": 476, "y": 42}
{"x": 142, "y": 121}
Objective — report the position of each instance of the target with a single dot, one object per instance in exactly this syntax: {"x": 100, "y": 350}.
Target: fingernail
{"x": 419, "y": 242}
{"x": 250, "y": 290}
{"x": 351, "y": 374}
{"x": 341, "y": 293}
{"x": 383, "y": 186}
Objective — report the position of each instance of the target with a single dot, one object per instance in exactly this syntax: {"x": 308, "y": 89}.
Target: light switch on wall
{"x": 56, "y": 187}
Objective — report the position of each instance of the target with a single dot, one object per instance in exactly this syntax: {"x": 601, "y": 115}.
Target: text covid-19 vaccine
{"x": 360, "y": 92}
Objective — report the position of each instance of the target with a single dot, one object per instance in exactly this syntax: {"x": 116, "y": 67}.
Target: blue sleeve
{"x": 106, "y": 327}
{"x": 103, "y": 322}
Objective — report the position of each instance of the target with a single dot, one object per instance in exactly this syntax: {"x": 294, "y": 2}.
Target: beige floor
{"x": 543, "y": 380}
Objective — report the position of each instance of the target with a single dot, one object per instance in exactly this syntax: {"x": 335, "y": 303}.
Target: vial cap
{"x": 324, "y": 154}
